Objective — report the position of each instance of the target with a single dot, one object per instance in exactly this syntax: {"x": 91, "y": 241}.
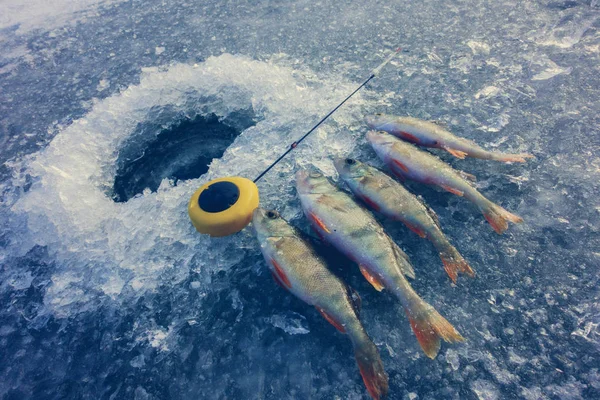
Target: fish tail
{"x": 454, "y": 263}
{"x": 498, "y": 217}
{"x": 431, "y": 328}
{"x": 521, "y": 157}
{"x": 371, "y": 368}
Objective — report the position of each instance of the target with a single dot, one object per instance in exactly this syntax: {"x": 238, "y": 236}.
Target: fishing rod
{"x": 374, "y": 73}
{"x": 225, "y": 205}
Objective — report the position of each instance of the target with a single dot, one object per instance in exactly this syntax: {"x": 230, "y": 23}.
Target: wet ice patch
{"x": 478, "y": 47}
{"x": 547, "y": 68}
{"x": 485, "y": 390}
{"x": 567, "y": 31}
{"x": 103, "y": 249}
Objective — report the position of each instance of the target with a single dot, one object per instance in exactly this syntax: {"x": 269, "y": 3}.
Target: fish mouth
{"x": 258, "y": 217}
{"x": 301, "y": 177}
{"x": 377, "y": 137}
{"x": 258, "y": 213}
{"x": 370, "y": 121}
{"x": 348, "y": 167}
{"x": 380, "y": 138}
{"x": 302, "y": 181}
{"x": 339, "y": 164}
{"x": 376, "y": 121}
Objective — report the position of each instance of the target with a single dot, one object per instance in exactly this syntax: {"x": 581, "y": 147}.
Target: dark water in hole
{"x": 181, "y": 152}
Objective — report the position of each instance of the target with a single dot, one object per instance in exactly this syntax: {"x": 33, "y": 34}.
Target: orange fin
{"x": 403, "y": 261}
{"x": 416, "y": 230}
{"x": 371, "y": 278}
{"x": 430, "y": 328}
{"x": 372, "y": 371}
{"x": 452, "y": 190}
{"x": 455, "y": 153}
{"x": 455, "y": 263}
{"x": 280, "y": 274}
{"x": 498, "y": 218}
{"x": 276, "y": 279}
{"x": 410, "y": 137}
{"x": 400, "y": 165}
{"x": 320, "y": 236}
{"x": 331, "y": 320}
{"x": 319, "y": 223}
{"x": 368, "y": 201}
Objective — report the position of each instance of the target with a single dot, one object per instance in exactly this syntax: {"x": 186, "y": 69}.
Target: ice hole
{"x": 178, "y": 150}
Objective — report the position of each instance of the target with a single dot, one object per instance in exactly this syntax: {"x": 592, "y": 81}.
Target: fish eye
{"x": 379, "y": 114}
{"x": 272, "y": 214}
{"x": 350, "y": 161}
{"x": 315, "y": 174}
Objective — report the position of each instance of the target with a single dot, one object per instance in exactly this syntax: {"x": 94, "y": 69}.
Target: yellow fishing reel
{"x": 223, "y": 206}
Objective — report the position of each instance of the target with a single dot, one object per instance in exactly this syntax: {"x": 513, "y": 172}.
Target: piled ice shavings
{"x": 124, "y": 250}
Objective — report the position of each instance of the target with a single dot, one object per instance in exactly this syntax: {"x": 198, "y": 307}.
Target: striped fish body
{"x": 296, "y": 267}
{"x": 408, "y": 162}
{"x": 382, "y": 193}
{"x": 431, "y": 134}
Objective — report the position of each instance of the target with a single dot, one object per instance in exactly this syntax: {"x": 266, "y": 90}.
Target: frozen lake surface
{"x": 108, "y": 292}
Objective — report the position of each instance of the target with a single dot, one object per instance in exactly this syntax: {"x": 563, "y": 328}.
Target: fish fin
{"x": 331, "y": 320}
{"x": 371, "y": 278}
{"x": 514, "y": 157}
{"x": 430, "y": 328}
{"x": 416, "y": 230}
{"x": 400, "y": 165}
{"x": 410, "y": 137}
{"x": 281, "y": 274}
{"x": 467, "y": 176}
{"x": 438, "y": 122}
{"x": 452, "y": 190}
{"x": 403, "y": 261}
{"x": 370, "y": 202}
{"x": 317, "y": 221}
{"x": 456, "y": 153}
{"x": 431, "y": 212}
{"x": 454, "y": 263}
{"x": 320, "y": 237}
{"x": 371, "y": 369}
{"x": 498, "y": 217}
{"x": 398, "y": 174}
{"x": 277, "y": 281}
{"x": 355, "y": 300}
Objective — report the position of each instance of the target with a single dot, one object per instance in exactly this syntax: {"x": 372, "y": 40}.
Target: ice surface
{"x": 125, "y": 300}
{"x": 28, "y": 16}
{"x": 130, "y": 248}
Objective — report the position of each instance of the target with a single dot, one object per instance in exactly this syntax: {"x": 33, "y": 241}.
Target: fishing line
{"x": 373, "y": 74}
{"x": 226, "y": 205}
